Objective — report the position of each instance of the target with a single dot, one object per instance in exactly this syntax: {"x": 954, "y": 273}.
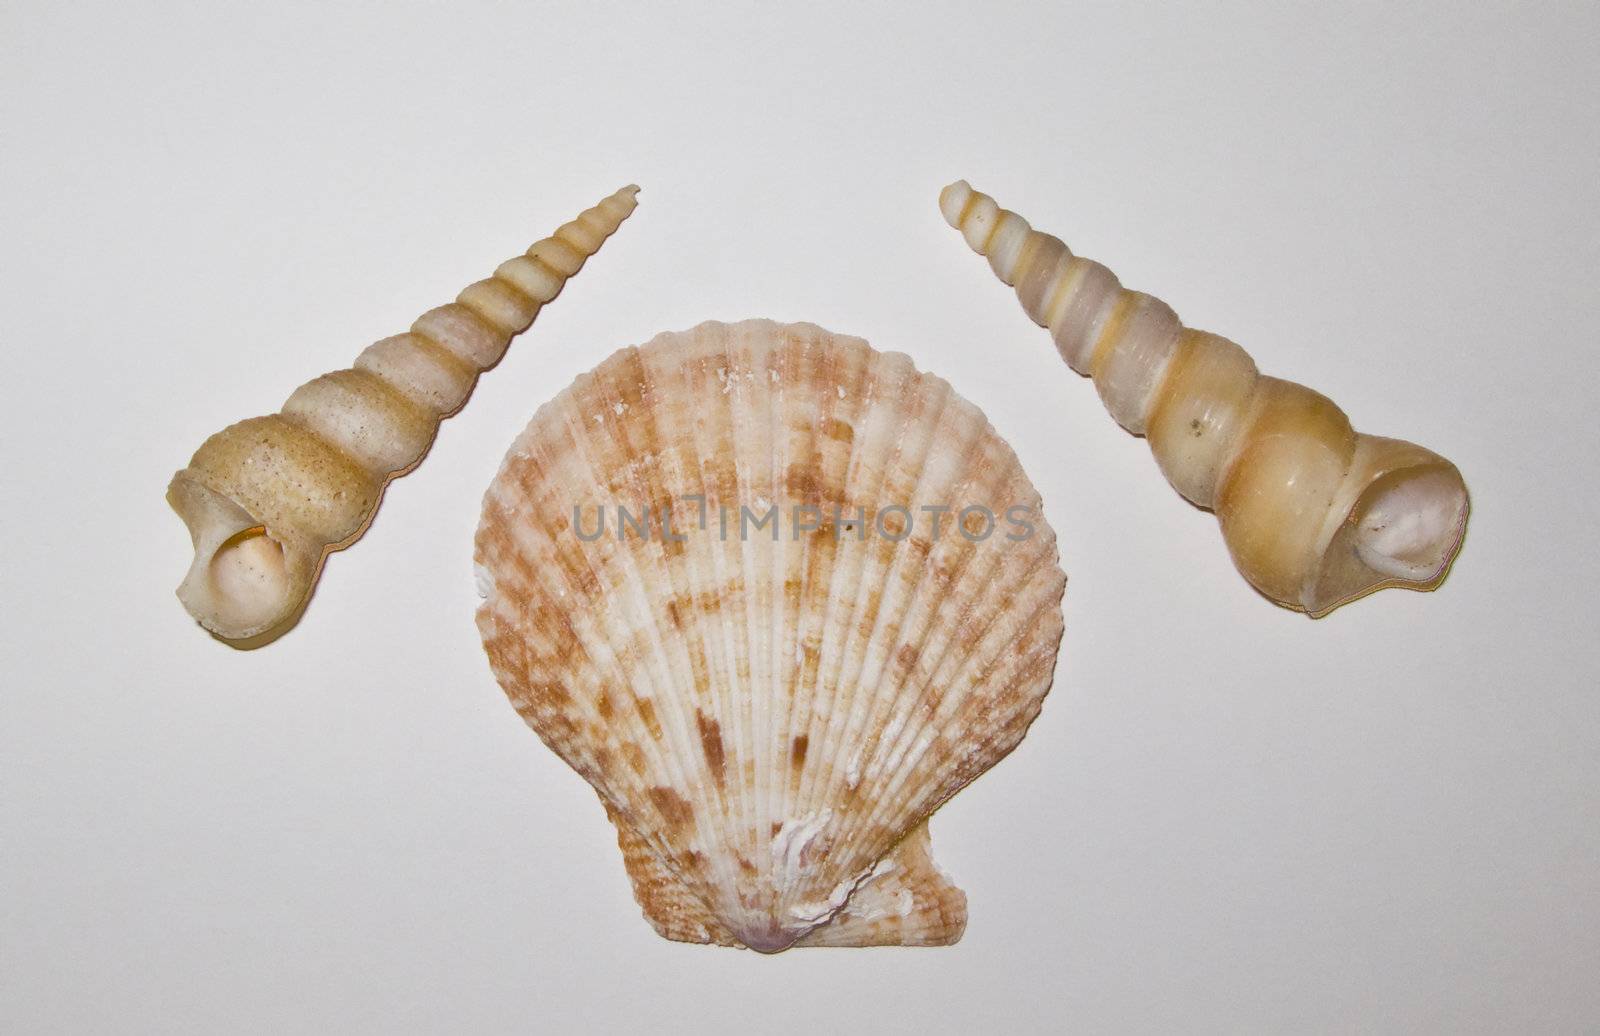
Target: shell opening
{"x": 1409, "y": 522}
{"x": 243, "y": 580}
{"x": 249, "y": 579}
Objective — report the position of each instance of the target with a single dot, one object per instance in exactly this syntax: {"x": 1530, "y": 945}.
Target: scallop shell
{"x": 1314, "y": 513}
{"x": 268, "y": 499}
{"x": 771, "y": 712}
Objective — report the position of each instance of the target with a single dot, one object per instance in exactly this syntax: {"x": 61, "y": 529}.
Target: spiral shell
{"x": 267, "y": 499}
{"x": 769, "y": 717}
{"x": 1314, "y": 513}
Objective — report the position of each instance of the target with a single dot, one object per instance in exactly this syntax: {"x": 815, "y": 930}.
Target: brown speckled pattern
{"x": 768, "y": 722}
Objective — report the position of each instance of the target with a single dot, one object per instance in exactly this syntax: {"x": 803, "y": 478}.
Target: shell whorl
{"x": 1314, "y": 513}
{"x": 268, "y": 498}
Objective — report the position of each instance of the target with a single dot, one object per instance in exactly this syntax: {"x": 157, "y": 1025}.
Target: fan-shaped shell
{"x": 771, "y": 712}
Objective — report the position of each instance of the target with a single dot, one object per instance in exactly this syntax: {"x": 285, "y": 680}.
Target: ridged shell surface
{"x": 266, "y": 500}
{"x": 770, "y": 712}
{"x": 1314, "y": 513}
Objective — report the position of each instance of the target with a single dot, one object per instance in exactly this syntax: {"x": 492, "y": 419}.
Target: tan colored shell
{"x": 770, "y": 722}
{"x": 1314, "y": 513}
{"x": 266, "y": 500}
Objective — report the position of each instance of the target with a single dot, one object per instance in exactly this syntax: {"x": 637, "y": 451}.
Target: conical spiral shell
{"x": 1314, "y": 513}
{"x": 267, "y": 499}
{"x": 771, "y": 713}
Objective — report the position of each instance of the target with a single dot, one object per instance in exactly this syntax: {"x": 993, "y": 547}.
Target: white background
{"x": 1228, "y": 817}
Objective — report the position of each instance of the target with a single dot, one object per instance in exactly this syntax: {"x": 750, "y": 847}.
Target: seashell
{"x": 770, "y": 712}
{"x": 1314, "y": 513}
{"x": 266, "y": 500}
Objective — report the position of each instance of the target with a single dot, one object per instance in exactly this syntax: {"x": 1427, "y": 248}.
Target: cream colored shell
{"x": 267, "y": 499}
{"x": 770, "y": 722}
{"x": 1314, "y": 513}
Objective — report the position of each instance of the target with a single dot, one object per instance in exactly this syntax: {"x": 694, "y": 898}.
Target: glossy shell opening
{"x": 1409, "y": 522}
{"x": 1404, "y": 529}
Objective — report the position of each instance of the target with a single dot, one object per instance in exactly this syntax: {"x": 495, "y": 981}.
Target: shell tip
{"x": 953, "y": 201}
{"x": 627, "y": 197}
